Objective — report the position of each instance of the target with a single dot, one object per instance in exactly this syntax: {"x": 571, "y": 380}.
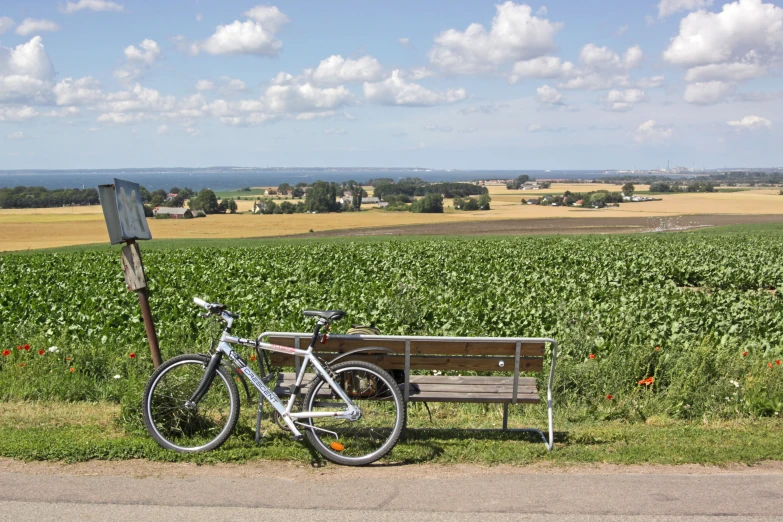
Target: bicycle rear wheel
{"x": 175, "y": 425}
{"x": 374, "y": 434}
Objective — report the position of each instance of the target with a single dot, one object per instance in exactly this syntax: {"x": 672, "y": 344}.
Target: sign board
{"x": 123, "y": 211}
{"x": 133, "y": 268}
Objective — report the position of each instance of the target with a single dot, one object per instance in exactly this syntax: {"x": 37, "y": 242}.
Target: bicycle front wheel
{"x": 179, "y": 426}
{"x": 374, "y": 434}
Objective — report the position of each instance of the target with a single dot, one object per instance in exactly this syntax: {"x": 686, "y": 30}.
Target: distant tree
{"x": 470, "y": 204}
{"x": 245, "y": 189}
{"x": 322, "y": 197}
{"x": 287, "y": 207}
{"x": 297, "y": 192}
{"x": 206, "y": 201}
{"x": 174, "y": 190}
{"x": 429, "y": 204}
{"x": 458, "y": 202}
{"x": 483, "y": 202}
{"x": 628, "y": 189}
{"x": 145, "y": 194}
{"x": 160, "y": 192}
{"x": 598, "y": 199}
{"x": 156, "y": 200}
{"x": 660, "y": 186}
{"x": 177, "y": 201}
{"x": 232, "y": 206}
{"x": 223, "y": 206}
{"x": 283, "y": 188}
{"x": 186, "y": 193}
{"x": 545, "y": 184}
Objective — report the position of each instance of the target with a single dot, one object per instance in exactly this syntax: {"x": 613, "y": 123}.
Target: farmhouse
{"x": 270, "y": 192}
{"x": 345, "y": 200}
{"x": 172, "y": 212}
{"x": 259, "y": 207}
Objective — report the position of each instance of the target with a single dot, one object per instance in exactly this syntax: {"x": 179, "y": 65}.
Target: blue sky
{"x": 458, "y": 84}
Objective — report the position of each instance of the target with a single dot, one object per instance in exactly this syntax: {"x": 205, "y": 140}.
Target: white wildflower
{"x": 735, "y": 383}
{"x": 118, "y": 376}
{"x": 54, "y": 349}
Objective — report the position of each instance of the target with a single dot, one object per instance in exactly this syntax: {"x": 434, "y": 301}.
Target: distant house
{"x": 577, "y": 203}
{"x": 345, "y": 200}
{"x": 270, "y": 192}
{"x": 171, "y": 195}
{"x": 172, "y": 212}
{"x": 259, "y": 207}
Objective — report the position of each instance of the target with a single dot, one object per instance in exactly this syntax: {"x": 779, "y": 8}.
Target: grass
{"x": 73, "y": 432}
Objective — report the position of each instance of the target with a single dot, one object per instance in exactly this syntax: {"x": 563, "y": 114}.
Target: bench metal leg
{"x": 505, "y": 415}
{"x": 258, "y": 420}
{"x": 550, "y": 444}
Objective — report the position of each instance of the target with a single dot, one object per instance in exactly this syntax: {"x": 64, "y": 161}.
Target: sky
{"x": 441, "y": 84}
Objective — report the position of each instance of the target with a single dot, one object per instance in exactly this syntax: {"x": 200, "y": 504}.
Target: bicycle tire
{"x": 395, "y": 399}
{"x": 163, "y": 422}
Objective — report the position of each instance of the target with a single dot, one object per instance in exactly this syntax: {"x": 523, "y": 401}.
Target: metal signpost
{"x": 125, "y": 221}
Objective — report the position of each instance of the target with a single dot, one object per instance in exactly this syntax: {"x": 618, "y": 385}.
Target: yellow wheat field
{"x": 43, "y": 228}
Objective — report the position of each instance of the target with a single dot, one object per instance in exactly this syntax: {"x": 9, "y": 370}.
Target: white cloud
{"x": 18, "y": 135}
{"x": 91, "y": 5}
{"x": 621, "y": 30}
{"x": 746, "y": 31}
{"x": 725, "y": 71}
{"x": 621, "y": 101}
{"x": 649, "y": 131}
{"x": 304, "y": 98}
{"x": 396, "y": 91}
{"x": 751, "y": 123}
{"x": 17, "y": 113}
{"x": 84, "y": 91}
{"x": 541, "y": 67}
{"x": 594, "y": 57}
{"x": 254, "y": 36}
{"x": 335, "y": 131}
{"x": 163, "y": 129}
{"x": 405, "y": 42}
{"x": 26, "y": 72}
{"x": 515, "y": 35}
{"x": 193, "y": 131}
{"x": 669, "y": 7}
{"x": 6, "y": 24}
{"x": 597, "y": 81}
{"x": 419, "y": 73}
{"x": 282, "y": 78}
{"x": 205, "y": 85}
{"x": 199, "y": 17}
{"x": 650, "y": 83}
{"x": 30, "y": 25}
{"x": 232, "y": 86}
{"x": 537, "y": 127}
{"x": 138, "y": 98}
{"x": 707, "y": 93}
{"x": 120, "y": 118}
{"x": 490, "y": 108}
{"x": 549, "y": 95}
{"x": 336, "y": 70}
{"x": 438, "y": 128}
{"x": 137, "y": 61}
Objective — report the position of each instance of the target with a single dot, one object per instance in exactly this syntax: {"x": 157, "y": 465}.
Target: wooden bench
{"x": 408, "y": 353}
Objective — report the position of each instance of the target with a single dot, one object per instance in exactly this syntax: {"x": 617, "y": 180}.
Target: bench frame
{"x": 407, "y": 339}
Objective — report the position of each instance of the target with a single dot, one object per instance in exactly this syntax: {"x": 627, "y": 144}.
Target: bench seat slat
{"x": 432, "y": 362}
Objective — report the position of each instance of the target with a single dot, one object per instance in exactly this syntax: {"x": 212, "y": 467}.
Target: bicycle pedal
{"x": 297, "y": 438}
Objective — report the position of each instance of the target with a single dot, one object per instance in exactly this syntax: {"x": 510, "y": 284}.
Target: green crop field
{"x": 700, "y": 314}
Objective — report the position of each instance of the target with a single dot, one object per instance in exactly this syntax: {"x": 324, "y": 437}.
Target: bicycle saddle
{"x": 329, "y": 315}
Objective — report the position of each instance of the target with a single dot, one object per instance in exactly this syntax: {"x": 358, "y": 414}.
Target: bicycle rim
{"x": 190, "y": 429}
{"x": 375, "y": 433}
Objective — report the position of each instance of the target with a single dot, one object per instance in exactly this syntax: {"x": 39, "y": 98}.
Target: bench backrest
{"x": 459, "y": 355}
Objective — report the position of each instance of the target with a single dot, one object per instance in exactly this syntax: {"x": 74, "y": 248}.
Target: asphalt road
{"x": 140, "y": 492}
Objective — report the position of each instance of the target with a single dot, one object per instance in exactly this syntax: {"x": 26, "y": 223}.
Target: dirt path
{"x": 587, "y": 225}
{"x": 139, "y": 490}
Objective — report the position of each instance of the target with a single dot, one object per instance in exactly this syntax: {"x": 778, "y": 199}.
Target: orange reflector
{"x": 336, "y": 446}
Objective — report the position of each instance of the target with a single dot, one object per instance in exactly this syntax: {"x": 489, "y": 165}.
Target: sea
{"x": 229, "y": 178}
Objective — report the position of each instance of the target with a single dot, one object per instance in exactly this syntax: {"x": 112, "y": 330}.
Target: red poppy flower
{"x": 648, "y": 381}
{"x": 73, "y": 369}
{"x": 609, "y": 397}
{"x": 745, "y": 353}
{"x": 26, "y": 347}
{"x": 592, "y": 356}
{"x": 777, "y": 362}
{"x": 657, "y": 348}
{"x": 67, "y": 358}
{"x": 23, "y": 364}
{"x": 41, "y": 352}
{"x": 132, "y": 355}
{"x": 6, "y": 353}
{"x": 20, "y": 347}
{"x": 253, "y": 357}
{"x": 769, "y": 365}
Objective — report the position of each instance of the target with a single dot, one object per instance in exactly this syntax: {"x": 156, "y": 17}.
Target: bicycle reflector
{"x": 336, "y": 446}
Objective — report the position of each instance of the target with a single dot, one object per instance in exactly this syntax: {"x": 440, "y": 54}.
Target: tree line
{"x": 40, "y": 197}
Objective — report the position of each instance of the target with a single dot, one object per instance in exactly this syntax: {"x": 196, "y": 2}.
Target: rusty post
{"x": 146, "y": 313}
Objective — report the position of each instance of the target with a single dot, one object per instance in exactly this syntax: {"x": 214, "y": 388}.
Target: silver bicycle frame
{"x": 352, "y": 412}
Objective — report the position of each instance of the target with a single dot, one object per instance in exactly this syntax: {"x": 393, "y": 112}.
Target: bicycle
{"x": 353, "y": 413}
